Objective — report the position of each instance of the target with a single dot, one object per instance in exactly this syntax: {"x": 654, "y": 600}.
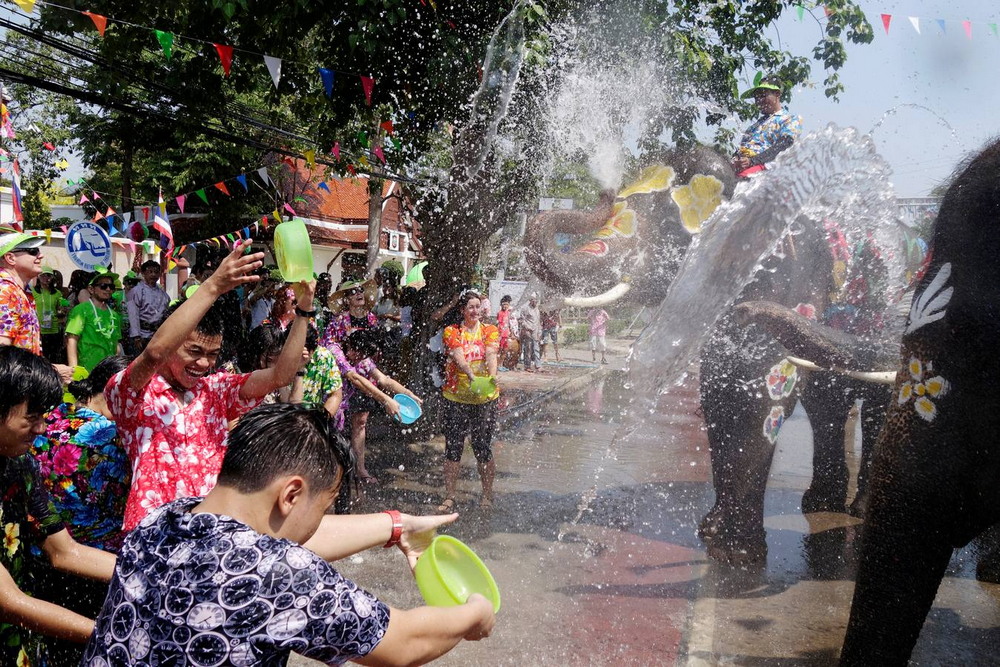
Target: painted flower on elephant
{"x": 697, "y": 200}
{"x": 806, "y": 310}
{"x": 781, "y": 379}
{"x": 652, "y": 179}
{"x": 773, "y": 422}
{"x": 921, "y": 390}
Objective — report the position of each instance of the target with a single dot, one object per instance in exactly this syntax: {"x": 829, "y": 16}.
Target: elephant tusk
{"x": 612, "y": 295}
{"x": 878, "y": 377}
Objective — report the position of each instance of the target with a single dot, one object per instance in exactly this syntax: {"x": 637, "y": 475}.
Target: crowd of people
{"x": 198, "y": 448}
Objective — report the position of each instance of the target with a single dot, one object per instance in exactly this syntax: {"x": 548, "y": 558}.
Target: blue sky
{"x": 935, "y": 94}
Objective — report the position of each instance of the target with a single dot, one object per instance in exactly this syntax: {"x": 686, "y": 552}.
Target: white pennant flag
{"x": 274, "y": 67}
{"x": 128, "y": 218}
{"x": 915, "y": 22}
{"x": 262, "y": 172}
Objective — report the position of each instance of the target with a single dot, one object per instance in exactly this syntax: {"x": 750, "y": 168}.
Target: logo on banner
{"x": 88, "y": 245}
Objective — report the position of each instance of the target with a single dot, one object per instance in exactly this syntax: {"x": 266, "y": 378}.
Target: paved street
{"x": 592, "y": 541}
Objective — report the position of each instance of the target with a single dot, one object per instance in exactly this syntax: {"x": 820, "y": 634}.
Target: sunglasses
{"x": 105, "y": 286}
{"x": 34, "y": 252}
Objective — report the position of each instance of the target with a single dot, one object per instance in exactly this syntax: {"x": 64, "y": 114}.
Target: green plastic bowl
{"x": 293, "y": 251}
{"x": 483, "y": 385}
{"x": 448, "y": 572}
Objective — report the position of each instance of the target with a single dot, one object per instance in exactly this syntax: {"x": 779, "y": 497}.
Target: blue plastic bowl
{"x": 409, "y": 409}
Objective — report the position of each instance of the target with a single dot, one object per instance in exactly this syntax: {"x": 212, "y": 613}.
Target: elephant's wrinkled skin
{"x": 935, "y": 482}
{"x": 742, "y": 410}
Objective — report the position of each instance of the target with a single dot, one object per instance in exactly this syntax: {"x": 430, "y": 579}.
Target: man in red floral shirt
{"x": 173, "y": 412}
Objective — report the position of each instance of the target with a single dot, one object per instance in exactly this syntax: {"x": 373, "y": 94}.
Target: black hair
{"x": 27, "y": 378}
{"x": 506, "y": 298}
{"x": 261, "y": 342}
{"x": 285, "y": 439}
{"x": 211, "y": 324}
{"x": 312, "y": 338}
{"x": 95, "y": 382}
{"x": 365, "y": 342}
{"x": 149, "y": 264}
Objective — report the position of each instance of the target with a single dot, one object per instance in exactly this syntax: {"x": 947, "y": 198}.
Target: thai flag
{"x": 15, "y": 181}
{"x": 161, "y": 223}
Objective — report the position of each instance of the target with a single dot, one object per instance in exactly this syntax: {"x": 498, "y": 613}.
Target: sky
{"x": 928, "y": 100}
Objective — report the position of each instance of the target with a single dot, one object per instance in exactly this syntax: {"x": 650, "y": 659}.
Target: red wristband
{"x": 397, "y": 528}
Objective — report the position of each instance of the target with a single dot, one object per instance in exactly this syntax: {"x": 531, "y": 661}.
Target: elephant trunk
{"x": 567, "y": 271}
{"x": 822, "y": 345}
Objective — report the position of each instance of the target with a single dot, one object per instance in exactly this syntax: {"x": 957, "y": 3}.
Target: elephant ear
{"x": 697, "y": 201}
{"x": 652, "y": 179}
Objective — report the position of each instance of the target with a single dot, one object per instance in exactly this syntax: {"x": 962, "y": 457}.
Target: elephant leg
{"x": 737, "y": 408}
{"x": 900, "y": 566}
{"x": 875, "y": 403}
{"x": 827, "y": 400}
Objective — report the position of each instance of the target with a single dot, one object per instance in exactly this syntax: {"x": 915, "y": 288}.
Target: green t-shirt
{"x": 99, "y": 330}
{"x": 47, "y": 305}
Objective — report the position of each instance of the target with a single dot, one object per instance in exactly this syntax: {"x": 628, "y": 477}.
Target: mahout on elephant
{"x": 633, "y": 243}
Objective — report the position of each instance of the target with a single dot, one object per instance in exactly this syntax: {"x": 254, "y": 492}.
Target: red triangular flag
{"x": 380, "y": 154}
{"x": 967, "y": 26}
{"x": 368, "y": 84}
{"x": 225, "y": 55}
{"x": 110, "y": 211}
{"x": 263, "y": 221}
{"x": 180, "y": 199}
{"x": 387, "y": 126}
{"x": 886, "y": 20}
{"x": 100, "y": 22}
{"x": 350, "y": 168}
{"x": 145, "y": 213}
{"x": 222, "y": 188}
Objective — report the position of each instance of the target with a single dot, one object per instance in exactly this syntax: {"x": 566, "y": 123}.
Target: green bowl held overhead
{"x": 293, "y": 251}
{"x": 448, "y": 572}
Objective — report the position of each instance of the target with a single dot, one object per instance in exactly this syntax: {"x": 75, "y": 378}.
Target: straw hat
{"x": 336, "y": 300}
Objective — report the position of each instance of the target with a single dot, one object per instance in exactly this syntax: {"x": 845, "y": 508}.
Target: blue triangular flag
{"x": 940, "y": 23}
{"x": 242, "y": 178}
{"x": 324, "y": 186}
{"x": 246, "y": 232}
{"x": 111, "y": 225}
{"x": 327, "y": 75}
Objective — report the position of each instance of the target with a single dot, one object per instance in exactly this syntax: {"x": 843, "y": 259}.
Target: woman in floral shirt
{"x": 352, "y": 304}
{"x": 82, "y": 464}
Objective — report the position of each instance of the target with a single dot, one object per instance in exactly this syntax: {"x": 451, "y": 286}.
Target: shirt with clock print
{"x": 205, "y": 589}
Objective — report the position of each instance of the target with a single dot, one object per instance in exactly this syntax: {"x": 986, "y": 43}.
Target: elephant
{"x": 634, "y": 243}
{"x": 934, "y": 482}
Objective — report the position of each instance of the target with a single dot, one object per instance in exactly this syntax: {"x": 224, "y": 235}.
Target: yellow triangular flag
{"x": 276, "y": 214}
{"x": 310, "y": 156}
{"x": 48, "y": 236}
{"x": 27, "y": 6}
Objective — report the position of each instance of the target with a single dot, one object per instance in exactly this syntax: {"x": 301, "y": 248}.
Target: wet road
{"x": 593, "y": 545}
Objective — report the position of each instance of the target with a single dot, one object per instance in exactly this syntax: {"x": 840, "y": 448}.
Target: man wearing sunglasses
{"x": 20, "y": 263}
{"x": 94, "y": 328}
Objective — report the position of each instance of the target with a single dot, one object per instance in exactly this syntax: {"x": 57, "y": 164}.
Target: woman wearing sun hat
{"x": 774, "y": 131}
{"x": 352, "y": 305}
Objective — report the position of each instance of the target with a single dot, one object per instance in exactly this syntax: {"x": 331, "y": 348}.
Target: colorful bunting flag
{"x": 180, "y": 199}
{"x": 915, "y": 22}
{"x": 387, "y": 126}
{"x": 274, "y": 69}
{"x": 886, "y": 20}
{"x": 800, "y": 10}
{"x": 379, "y": 154}
{"x": 27, "y": 6}
{"x": 327, "y": 76}
{"x": 242, "y": 180}
{"x": 166, "y": 40}
{"x": 225, "y": 55}
{"x": 324, "y": 186}
{"x": 262, "y": 173}
{"x": 336, "y": 150}
{"x": 48, "y": 236}
{"x": 288, "y": 207}
{"x": 310, "y": 156}
{"x": 993, "y": 28}
{"x": 201, "y": 193}
{"x": 363, "y": 138}
{"x": 368, "y": 83}
{"x": 395, "y": 142}
{"x": 83, "y": 199}
{"x": 967, "y": 26}
{"x": 941, "y": 25}
{"x": 100, "y": 22}
{"x": 221, "y": 187}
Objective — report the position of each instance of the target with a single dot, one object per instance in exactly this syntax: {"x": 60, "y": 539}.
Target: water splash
{"x": 910, "y": 105}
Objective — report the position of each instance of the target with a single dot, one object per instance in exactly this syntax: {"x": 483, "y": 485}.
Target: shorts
{"x": 361, "y": 403}
{"x": 596, "y": 341}
{"x": 478, "y": 421}
{"x": 552, "y": 333}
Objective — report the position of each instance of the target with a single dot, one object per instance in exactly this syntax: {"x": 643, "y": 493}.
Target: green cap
{"x": 48, "y": 269}
{"x": 11, "y": 239}
{"x": 760, "y": 82}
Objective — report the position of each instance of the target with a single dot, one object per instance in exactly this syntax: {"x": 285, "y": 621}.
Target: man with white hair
{"x": 530, "y": 321}
{"x": 20, "y": 263}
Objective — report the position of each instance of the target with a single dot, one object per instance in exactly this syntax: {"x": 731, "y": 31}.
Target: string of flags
{"x": 916, "y": 22}
{"x": 168, "y": 42}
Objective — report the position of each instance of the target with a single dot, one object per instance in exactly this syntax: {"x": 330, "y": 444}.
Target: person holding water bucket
{"x": 471, "y": 394}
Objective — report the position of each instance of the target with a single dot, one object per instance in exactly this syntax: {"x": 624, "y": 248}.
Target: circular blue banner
{"x": 88, "y": 245}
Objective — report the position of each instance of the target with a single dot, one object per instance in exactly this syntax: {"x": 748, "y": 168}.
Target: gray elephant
{"x": 633, "y": 244}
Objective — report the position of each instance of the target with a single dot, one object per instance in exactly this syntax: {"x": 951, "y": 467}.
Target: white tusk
{"x": 879, "y": 377}
{"x": 612, "y": 295}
